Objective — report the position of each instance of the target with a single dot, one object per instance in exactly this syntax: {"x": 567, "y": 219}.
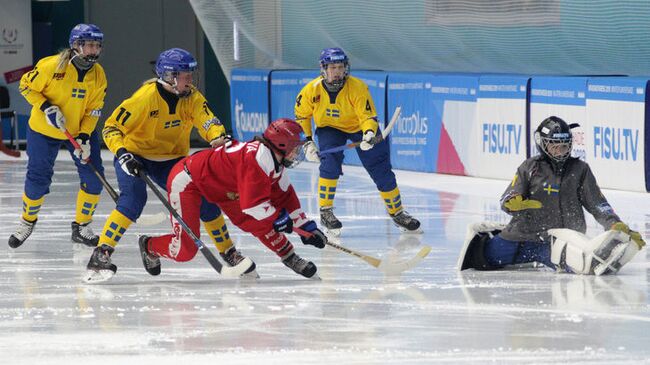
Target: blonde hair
{"x": 150, "y": 81}
{"x": 64, "y": 58}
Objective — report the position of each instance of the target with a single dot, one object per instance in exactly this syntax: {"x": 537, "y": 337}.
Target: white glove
{"x": 311, "y": 152}
{"x": 54, "y": 117}
{"x": 83, "y": 154}
{"x": 222, "y": 140}
{"x": 366, "y": 142}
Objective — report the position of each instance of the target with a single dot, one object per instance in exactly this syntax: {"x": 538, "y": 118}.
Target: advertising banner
{"x": 438, "y": 112}
{"x": 498, "y": 139}
{"x": 615, "y": 130}
{"x": 249, "y": 102}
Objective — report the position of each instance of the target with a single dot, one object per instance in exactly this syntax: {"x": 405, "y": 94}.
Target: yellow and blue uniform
{"x": 80, "y": 96}
{"x": 154, "y": 125}
{"x": 341, "y": 116}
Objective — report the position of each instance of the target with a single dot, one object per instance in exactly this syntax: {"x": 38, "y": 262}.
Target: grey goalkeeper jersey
{"x": 563, "y": 194}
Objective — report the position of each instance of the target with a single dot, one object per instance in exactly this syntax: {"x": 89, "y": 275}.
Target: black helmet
{"x": 554, "y": 139}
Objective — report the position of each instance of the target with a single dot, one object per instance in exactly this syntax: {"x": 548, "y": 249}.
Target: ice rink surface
{"x": 354, "y": 315}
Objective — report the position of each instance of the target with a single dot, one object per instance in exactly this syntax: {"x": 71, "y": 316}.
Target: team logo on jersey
{"x": 172, "y": 123}
{"x": 334, "y": 113}
{"x": 551, "y": 189}
{"x": 59, "y": 75}
{"x": 153, "y": 114}
{"x": 232, "y": 195}
{"x": 79, "y": 93}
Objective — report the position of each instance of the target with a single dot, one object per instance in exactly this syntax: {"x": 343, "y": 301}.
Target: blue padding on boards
{"x": 376, "y": 81}
{"x": 420, "y": 141}
{"x": 285, "y": 86}
{"x": 249, "y": 102}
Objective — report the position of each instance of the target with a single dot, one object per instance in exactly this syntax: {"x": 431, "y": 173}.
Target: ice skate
{"x": 100, "y": 268}
{"x": 23, "y": 231}
{"x": 300, "y": 266}
{"x": 83, "y": 234}
{"x": 232, "y": 257}
{"x": 330, "y": 222}
{"x": 406, "y": 222}
{"x": 150, "y": 261}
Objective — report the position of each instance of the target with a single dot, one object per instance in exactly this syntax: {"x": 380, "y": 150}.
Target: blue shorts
{"x": 376, "y": 160}
{"x": 42, "y": 152}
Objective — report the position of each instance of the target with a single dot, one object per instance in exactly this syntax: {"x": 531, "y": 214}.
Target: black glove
{"x": 317, "y": 238}
{"x": 128, "y": 162}
{"x": 283, "y": 223}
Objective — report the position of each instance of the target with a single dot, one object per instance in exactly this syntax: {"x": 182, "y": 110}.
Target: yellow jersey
{"x": 350, "y": 110}
{"x": 156, "y": 124}
{"x": 79, "y": 94}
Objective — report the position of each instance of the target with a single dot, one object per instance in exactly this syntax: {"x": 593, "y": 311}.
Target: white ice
{"x": 354, "y": 315}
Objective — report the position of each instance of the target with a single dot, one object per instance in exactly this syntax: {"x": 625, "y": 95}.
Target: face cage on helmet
{"x": 79, "y": 43}
{"x": 170, "y": 78}
{"x": 295, "y": 157}
{"x": 559, "y": 142}
{"x": 335, "y": 84}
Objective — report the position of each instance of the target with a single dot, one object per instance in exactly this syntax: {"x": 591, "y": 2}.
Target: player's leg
{"x": 42, "y": 152}
{"x": 131, "y": 202}
{"x": 89, "y": 193}
{"x": 606, "y": 253}
{"x": 330, "y": 169}
{"x": 485, "y": 249}
{"x": 377, "y": 162}
{"x": 274, "y": 241}
{"x": 214, "y": 223}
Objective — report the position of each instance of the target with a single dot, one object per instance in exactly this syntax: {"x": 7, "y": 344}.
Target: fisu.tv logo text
{"x": 616, "y": 143}
{"x": 501, "y": 138}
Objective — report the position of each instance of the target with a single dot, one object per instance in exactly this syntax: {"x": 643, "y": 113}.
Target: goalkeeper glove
{"x": 518, "y": 203}
{"x": 634, "y": 235}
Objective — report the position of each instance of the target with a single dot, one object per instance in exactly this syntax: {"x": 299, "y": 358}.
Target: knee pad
{"x": 606, "y": 253}
{"x": 472, "y": 255}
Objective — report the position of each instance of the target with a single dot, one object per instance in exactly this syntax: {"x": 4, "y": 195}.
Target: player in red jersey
{"x": 249, "y": 183}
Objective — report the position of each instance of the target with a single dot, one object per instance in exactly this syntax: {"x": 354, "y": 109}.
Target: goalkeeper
{"x": 549, "y": 191}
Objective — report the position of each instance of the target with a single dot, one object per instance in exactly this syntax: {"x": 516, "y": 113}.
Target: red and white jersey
{"x": 245, "y": 171}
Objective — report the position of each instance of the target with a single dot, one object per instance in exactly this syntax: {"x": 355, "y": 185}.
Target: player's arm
{"x": 595, "y": 202}
{"x": 364, "y": 108}
{"x": 304, "y": 109}
{"x": 120, "y": 122}
{"x": 33, "y": 83}
{"x": 515, "y": 198}
{"x": 206, "y": 123}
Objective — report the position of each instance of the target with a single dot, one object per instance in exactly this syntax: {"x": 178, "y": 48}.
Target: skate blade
{"x": 334, "y": 232}
{"x": 406, "y": 231}
{"x": 95, "y": 277}
{"x": 315, "y": 277}
{"x": 250, "y": 276}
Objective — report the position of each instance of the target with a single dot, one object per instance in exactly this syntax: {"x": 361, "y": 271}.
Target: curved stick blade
{"x": 152, "y": 219}
{"x": 389, "y": 268}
